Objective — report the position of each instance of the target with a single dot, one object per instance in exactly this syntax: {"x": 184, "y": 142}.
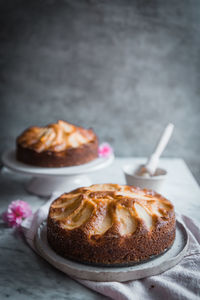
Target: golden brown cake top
{"x": 55, "y": 137}
{"x": 99, "y": 207}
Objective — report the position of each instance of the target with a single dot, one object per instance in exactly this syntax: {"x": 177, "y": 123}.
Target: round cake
{"x": 110, "y": 224}
{"x": 57, "y": 145}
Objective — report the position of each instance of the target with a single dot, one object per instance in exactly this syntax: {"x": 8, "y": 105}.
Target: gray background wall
{"x": 126, "y": 68}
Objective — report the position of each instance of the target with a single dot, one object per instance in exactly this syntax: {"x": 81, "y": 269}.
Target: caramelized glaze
{"x": 55, "y": 137}
{"x": 100, "y": 206}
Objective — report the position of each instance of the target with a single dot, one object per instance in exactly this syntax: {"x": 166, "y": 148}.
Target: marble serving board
{"x": 151, "y": 267}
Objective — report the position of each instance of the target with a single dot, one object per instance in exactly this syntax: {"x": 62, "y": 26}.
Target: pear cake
{"x": 57, "y": 145}
{"x": 110, "y": 224}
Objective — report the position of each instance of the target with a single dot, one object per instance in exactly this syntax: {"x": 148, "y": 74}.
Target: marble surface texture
{"x": 24, "y": 275}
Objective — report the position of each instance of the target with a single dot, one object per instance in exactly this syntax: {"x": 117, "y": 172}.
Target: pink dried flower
{"x": 17, "y": 211}
{"x": 105, "y": 150}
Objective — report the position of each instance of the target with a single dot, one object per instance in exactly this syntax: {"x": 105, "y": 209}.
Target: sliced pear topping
{"x": 127, "y": 222}
{"x": 104, "y": 224}
{"x": 68, "y": 210}
{"x": 80, "y": 217}
{"x": 103, "y": 187}
{"x": 67, "y": 127}
{"x": 67, "y": 200}
{"x": 142, "y": 214}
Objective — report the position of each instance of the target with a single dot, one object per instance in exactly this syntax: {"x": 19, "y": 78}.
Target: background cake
{"x": 110, "y": 224}
{"x": 57, "y": 145}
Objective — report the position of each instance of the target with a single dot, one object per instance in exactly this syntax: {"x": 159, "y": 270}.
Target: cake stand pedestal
{"x": 45, "y": 186}
{"x": 45, "y": 181}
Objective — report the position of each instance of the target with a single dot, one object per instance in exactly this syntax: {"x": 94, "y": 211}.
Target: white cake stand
{"x": 45, "y": 181}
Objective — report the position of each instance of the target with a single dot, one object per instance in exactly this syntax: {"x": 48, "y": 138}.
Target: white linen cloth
{"x": 181, "y": 282}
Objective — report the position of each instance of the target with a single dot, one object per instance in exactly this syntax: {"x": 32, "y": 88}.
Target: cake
{"x": 57, "y": 145}
{"x": 110, "y": 224}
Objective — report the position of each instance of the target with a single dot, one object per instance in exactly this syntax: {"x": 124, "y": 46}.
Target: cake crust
{"x": 120, "y": 243}
{"x": 37, "y": 149}
{"x": 66, "y": 158}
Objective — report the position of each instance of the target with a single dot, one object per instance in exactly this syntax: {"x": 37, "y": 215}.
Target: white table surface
{"x": 24, "y": 275}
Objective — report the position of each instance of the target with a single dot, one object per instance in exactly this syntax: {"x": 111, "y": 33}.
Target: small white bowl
{"x": 151, "y": 182}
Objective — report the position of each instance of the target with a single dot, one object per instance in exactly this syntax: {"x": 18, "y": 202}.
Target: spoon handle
{"x": 164, "y": 140}
{"x": 154, "y": 158}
